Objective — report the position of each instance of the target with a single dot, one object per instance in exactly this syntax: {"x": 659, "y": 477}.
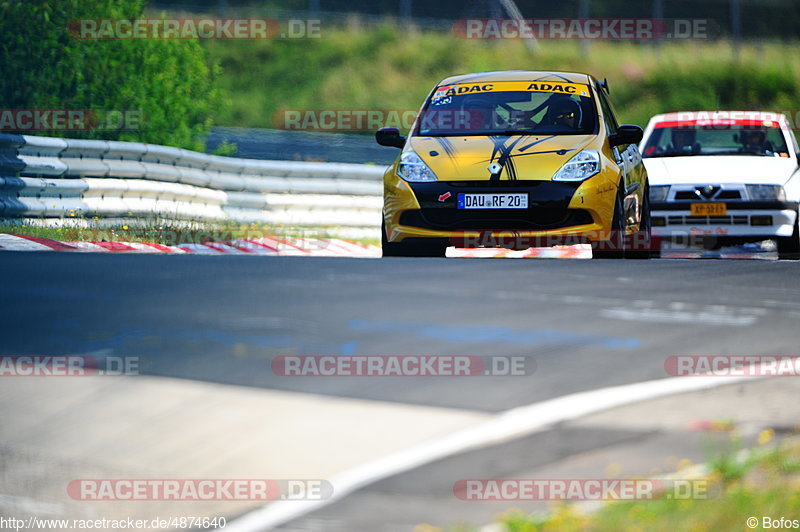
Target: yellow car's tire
{"x": 649, "y": 248}
{"x": 614, "y": 248}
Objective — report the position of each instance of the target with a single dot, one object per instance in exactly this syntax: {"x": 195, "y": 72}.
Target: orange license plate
{"x": 709, "y": 209}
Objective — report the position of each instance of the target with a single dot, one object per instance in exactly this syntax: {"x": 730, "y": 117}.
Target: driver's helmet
{"x": 683, "y": 138}
{"x": 479, "y": 111}
{"x": 564, "y": 112}
{"x": 753, "y": 138}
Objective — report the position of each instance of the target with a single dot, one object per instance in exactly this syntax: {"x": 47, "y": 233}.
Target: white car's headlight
{"x": 582, "y": 166}
{"x": 414, "y": 169}
{"x": 659, "y": 192}
{"x": 766, "y": 192}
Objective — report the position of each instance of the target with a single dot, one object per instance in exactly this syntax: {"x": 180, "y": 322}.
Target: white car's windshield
{"x": 675, "y": 140}
{"x": 491, "y": 109}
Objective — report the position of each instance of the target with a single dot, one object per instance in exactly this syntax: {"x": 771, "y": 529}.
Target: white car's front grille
{"x": 721, "y": 192}
{"x": 708, "y": 220}
{"x": 697, "y": 195}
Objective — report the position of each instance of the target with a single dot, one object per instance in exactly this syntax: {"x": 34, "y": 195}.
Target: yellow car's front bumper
{"x": 558, "y": 213}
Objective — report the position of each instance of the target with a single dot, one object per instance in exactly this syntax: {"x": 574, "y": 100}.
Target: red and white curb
{"x": 325, "y": 247}
{"x": 262, "y": 246}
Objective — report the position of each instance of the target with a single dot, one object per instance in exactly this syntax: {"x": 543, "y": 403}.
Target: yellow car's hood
{"x": 520, "y": 157}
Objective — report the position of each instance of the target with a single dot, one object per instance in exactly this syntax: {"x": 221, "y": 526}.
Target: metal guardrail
{"x": 47, "y": 177}
{"x": 290, "y": 145}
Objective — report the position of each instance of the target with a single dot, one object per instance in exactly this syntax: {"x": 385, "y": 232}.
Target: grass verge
{"x": 763, "y": 483}
{"x": 169, "y": 234}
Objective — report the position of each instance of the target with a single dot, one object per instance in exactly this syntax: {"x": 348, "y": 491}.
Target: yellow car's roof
{"x": 518, "y": 75}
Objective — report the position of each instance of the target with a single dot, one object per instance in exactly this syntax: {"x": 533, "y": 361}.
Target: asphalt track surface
{"x": 584, "y": 324}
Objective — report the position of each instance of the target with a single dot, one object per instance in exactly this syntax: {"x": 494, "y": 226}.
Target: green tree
{"x": 168, "y": 88}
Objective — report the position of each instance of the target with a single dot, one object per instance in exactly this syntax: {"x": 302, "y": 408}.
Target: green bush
{"x": 168, "y": 88}
{"x": 710, "y": 85}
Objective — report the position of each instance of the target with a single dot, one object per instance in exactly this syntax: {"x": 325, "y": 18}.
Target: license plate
{"x": 493, "y": 201}
{"x": 709, "y": 209}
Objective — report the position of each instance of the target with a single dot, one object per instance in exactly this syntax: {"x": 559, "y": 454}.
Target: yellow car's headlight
{"x": 413, "y": 169}
{"x": 581, "y": 167}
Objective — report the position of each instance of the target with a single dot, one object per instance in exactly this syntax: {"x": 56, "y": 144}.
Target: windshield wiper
{"x": 488, "y": 133}
{"x": 704, "y": 154}
{"x": 664, "y": 155}
{"x": 737, "y": 152}
{"x": 510, "y": 132}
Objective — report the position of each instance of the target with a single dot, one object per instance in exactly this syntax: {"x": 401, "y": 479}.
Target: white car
{"x": 724, "y": 178}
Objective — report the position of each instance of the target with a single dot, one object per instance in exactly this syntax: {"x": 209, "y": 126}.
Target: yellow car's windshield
{"x": 530, "y": 108}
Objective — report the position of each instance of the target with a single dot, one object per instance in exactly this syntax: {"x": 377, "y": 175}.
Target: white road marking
{"x": 32, "y": 506}
{"x": 655, "y": 311}
{"x": 675, "y": 314}
{"x": 508, "y": 425}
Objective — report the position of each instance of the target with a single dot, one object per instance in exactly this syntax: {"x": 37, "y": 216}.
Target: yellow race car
{"x": 517, "y": 159}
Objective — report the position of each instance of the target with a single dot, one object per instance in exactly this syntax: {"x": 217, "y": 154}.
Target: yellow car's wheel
{"x": 648, "y": 248}
{"x": 615, "y": 247}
